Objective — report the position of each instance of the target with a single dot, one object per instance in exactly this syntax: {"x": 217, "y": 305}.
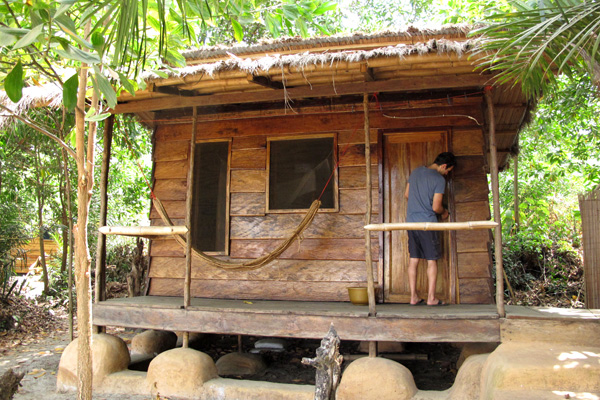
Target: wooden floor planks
{"x": 394, "y": 322}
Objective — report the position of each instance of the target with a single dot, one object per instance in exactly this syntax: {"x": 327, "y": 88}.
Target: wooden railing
{"x": 427, "y": 226}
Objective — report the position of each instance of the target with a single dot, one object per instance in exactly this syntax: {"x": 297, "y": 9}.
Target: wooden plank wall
{"x": 331, "y": 255}
{"x": 471, "y": 204}
{"x": 320, "y": 267}
{"x": 32, "y": 252}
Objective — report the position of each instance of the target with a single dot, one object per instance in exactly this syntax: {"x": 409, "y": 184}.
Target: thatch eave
{"x": 300, "y": 61}
{"x": 49, "y": 95}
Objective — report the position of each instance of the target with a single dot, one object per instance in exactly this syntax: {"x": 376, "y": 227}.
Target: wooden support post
{"x": 101, "y": 245}
{"x": 516, "y": 192}
{"x": 240, "y": 344}
{"x": 496, "y": 201}
{"x": 368, "y": 259}
{"x": 188, "y": 224}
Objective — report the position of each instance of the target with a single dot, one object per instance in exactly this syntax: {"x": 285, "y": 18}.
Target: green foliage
{"x": 558, "y": 159}
{"x": 536, "y": 40}
{"x": 51, "y": 39}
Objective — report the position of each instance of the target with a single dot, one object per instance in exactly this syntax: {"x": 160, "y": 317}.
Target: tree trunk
{"x": 82, "y": 257}
{"x": 40, "y": 199}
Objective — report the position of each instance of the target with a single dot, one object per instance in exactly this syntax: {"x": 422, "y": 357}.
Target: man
{"x": 424, "y": 192}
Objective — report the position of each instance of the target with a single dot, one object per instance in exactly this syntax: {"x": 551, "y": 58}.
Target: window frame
{"x": 333, "y": 182}
{"x": 227, "y": 227}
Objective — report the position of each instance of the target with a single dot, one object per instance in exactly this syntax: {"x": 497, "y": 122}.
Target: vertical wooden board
{"x": 474, "y": 265}
{"x": 467, "y": 142}
{"x": 249, "y": 142}
{"x": 471, "y": 189}
{"x": 355, "y": 177}
{"x": 354, "y": 201}
{"x": 174, "y": 208}
{"x": 354, "y": 154}
{"x": 247, "y": 204}
{"x": 171, "y": 169}
{"x": 172, "y": 151}
{"x": 476, "y": 291}
{"x": 170, "y": 189}
{"x": 472, "y": 241}
{"x": 307, "y": 249}
{"x": 248, "y": 180}
{"x": 468, "y": 167}
{"x": 249, "y": 159}
{"x": 473, "y": 211}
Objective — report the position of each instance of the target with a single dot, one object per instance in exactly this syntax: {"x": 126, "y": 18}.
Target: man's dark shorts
{"x": 424, "y": 244}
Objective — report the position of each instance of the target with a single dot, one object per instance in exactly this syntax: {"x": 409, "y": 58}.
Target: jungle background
{"x": 558, "y": 153}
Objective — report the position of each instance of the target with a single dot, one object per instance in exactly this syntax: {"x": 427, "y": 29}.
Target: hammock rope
{"x": 252, "y": 264}
{"x": 257, "y": 262}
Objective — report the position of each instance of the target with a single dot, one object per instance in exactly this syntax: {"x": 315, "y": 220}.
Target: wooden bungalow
{"x": 247, "y": 137}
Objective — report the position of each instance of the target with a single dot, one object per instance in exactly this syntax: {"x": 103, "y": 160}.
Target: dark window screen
{"x": 209, "y": 226}
{"x": 298, "y": 172}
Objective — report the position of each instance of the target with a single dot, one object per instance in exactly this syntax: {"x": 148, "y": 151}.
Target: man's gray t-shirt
{"x": 423, "y": 184}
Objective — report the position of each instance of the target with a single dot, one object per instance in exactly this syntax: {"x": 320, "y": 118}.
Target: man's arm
{"x": 406, "y": 191}
{"x": 437, "y": 205}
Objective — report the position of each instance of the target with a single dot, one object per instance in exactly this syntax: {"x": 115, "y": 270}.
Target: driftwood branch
{"x": 328, "y": 363}
{"x": 38, "y": 128}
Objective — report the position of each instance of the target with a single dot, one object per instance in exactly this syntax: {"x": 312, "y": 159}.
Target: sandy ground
{"x": 40, "y": 362}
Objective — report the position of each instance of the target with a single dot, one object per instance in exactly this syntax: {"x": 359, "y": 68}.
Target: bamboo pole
{"x": 431, "y": 226}
{"x": 188, "y": 224}
{"x": 496, "y": 201}
{"x": 101, "y": 245}
{"x": 143, "y": 230}
{"x": 368, "y": 260}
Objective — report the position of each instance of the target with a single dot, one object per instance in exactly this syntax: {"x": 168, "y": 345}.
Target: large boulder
{"x": 180, "y": 373}
{"x": 109, "y": 355}
{"x": 374, "y": 378}
{"x": 534, "y": 367}
{"x": 240, "y": 364}
{"x": 152, "y": 343}
{"x": 467, "y": 385}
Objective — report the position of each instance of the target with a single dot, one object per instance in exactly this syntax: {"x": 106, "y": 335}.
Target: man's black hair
{"x": 445, "y": 158}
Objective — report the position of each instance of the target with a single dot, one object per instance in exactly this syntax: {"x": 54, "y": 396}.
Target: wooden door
{"x": 403, "y": 152}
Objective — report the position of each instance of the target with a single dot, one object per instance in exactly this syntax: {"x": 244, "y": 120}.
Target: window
{"x": 299, "y": 170}
{"x": 210, "y": 216}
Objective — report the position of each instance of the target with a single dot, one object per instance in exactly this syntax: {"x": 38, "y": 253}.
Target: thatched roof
{"x": 301, "y": 53}
{"x": 297, "y": 44}
{"x": 49, "y": 95}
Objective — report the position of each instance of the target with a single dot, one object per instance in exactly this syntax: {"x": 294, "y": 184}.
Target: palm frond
{"x": 532, "y": 45}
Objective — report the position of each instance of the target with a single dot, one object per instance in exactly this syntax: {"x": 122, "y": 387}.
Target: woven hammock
{"x": 252, "y": 264}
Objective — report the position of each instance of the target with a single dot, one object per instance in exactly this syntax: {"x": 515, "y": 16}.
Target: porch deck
{"x": 394, "y": 322}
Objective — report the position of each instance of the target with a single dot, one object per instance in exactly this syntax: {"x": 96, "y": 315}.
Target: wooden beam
{"x": 188, "y": 223}
{"x": 170, "y": 90}
{"x": 367, "y": 72}
{"x": 432, "y": 226}
{"x": 368, "y": 258}
{"x": 305, "y": 324}
{"x": 395, "y": 85}
{"x": 496, "y": 202}
{"x": 265, "y": 82}
{"x": 143, "y": 231}
{"x": 101, "y": 245}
